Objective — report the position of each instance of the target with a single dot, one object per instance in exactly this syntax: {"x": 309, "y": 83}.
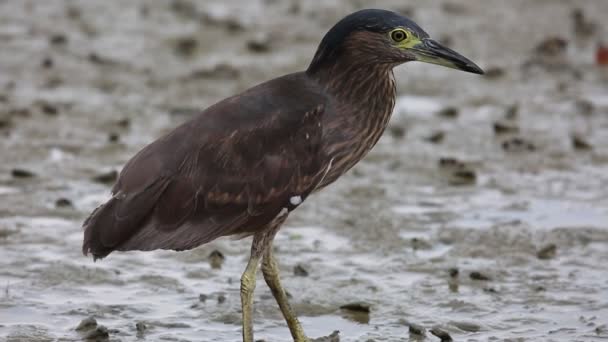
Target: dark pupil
{"x": 399, "y": 36}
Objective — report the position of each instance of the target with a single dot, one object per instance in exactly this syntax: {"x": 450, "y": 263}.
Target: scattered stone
{"x": 63, "y": 203}
{"x": 358, "y": 312}
{"x": 449, "y": 112}
{"x": 479, "y": 276}
{"x": 48, "y": 109}
{"x": 73, "y": 12}
{"x": 106, "y": 178}
{"x": 453, "y": 8}
{"x": 547, "y": 252}
{"x": 552, "y": 47}
{"x": 22, "y": 173}
{"x": 583, "y": 28}
{"x": 454, "y": 272}
{"x": 540, "y": 289}
{"x": 47, "y": 63}
{"x": 584, "y": 107}
{"x": 334, "y": 337}
{"x": 100, "y": 333}
{"x": 579, "y": 143}
{"x": 202, "y": 297}
{"x": 416, "y": 329}
{"x": 219, "y": 71}
{"x": 396, "y": 131}
{"x": 435, "y": 138}
{"x": 183, "y": 8}
{"x": 494, "y": 73}
{"x": 300, "y": 271}
{"x": 123, "y": 123}
{"x": 457, "y": 172}
{"x": 221, "y": 298}
{"x": 518, "y": 144}
{"x": 260, "y": 43}
{"x": 512, "y": 112}
{"x": 356, "y": 306}
{"x": 490, "y": 290}
{"x": 441, "y": 334}
{"x": 186, "y": 46}
{"x": 501, "y": 127}
{"x": 467, "y": 326}
{"x": 113, "y": 137}
{"x": 58, "y": 39}
{"x": 141, "y": 327}
{"x": 216, "y": 259}
{"x": 420, "y": 244}
{"x": 87, "y": 324}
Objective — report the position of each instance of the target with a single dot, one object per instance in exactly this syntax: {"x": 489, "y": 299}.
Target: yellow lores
{"x": 425, "y": 49}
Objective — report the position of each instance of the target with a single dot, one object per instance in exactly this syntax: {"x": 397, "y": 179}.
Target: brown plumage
{"x": 241, "y": 165}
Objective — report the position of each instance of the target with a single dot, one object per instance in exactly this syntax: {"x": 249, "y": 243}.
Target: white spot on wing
{"x": 295, "y": 200}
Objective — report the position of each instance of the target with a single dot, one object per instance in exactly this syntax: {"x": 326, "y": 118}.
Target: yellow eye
{"x": 398, "y": 35}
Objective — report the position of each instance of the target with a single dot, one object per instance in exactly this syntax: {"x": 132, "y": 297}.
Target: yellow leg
{"x": 247, "y": 288}
{"x": 270, "y": 270}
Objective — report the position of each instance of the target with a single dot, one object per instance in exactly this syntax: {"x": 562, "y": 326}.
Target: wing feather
{"x": 228, "y": 171}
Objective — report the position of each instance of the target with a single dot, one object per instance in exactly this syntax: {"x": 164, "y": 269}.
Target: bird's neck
{"x": 363, "y": 98}
{"x": 368, "y": 91}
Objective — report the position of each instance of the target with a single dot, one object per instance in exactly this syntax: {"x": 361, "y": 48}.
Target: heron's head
{"x": 380, "y": 37}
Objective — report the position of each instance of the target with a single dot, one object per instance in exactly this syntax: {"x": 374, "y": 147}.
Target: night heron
{"x": 242, "y": 165}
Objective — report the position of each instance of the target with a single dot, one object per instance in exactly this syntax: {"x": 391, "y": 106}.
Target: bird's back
{"x": 229, "y": 170}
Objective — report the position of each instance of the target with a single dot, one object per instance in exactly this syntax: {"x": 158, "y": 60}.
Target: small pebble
{"x": 300, "y": 271}
{"x": 259, "y": 44}
{"x": 63, "y": 203}
{"x": 219, "y": 71}
{"x": 584, "y": 107}
{"x": 58, "y": 39}
{"x": 449, "y": 112}
{"x": 479, "y": 276}
{"x": 141, "y": 327}
{"x": 98, "y": 334}
{"x": 518, "y": 144}
{"x": 396, "y": 131}
{"x": 22, "y": 173}
{"x": 106, "y": 178}
{"x": 436, "y": 138}
{"x": 512, "y": 112}
{"x": 454, "y": 272}
{"x": 579, "y": 143}
{"x": 552, "y": 46}
{"x": 547, "y": 252}
{"x": 87, "y": 324}
{"x": 186, "y": 46}
{"x": 441, "y": 334}
{"x": 48, "y": 109}
{"x": 113, "y": 137}
{"x": 356, "y": 306}
{"x": 216, "y": 259}
{"x": 494, "y": 73}
{"x": 202, "y": 298}
{"x": 457, "y": 172}
{"x": 47, "y": 63}
{"x": 416, "y": 329}
{"x": 221, "y": 298}
{"x": 501, "y": 127}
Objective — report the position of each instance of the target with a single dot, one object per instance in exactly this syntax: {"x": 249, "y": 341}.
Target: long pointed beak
{"x": 429, "y": 51}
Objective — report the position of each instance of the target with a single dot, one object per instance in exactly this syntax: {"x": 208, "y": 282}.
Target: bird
{"x": 241, "y": 166}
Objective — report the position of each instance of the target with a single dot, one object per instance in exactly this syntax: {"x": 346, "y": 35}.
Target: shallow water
{"x": 387, "y": 234}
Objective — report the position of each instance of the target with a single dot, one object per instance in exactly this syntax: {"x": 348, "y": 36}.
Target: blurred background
{"x": 482, "y": 212}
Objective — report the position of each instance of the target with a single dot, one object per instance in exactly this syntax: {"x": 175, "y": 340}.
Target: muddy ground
{"x": 482, "y": 211}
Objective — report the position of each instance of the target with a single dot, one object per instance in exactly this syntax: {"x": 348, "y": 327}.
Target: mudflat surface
{"x": 488, "y": 220}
